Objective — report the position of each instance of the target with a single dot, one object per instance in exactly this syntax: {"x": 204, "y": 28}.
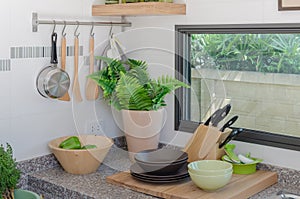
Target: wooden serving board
{"x": 240, "y": 186}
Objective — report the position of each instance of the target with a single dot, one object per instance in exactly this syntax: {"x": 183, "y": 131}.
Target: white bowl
{"x": 82, "y": 161}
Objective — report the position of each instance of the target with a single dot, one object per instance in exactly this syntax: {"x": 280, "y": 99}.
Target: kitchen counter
{"x": 55, "y": 183}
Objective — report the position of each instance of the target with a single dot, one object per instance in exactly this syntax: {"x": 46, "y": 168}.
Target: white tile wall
{"x": 25, "y": 116}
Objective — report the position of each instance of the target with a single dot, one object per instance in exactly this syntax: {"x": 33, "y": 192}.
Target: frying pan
{"x": 53, "y": 82}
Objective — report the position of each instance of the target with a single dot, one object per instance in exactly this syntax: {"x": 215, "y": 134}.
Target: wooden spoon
{"x": 66, "y": 97}
{"x": 76, "y": 86}
{"x": 91, "y": 89}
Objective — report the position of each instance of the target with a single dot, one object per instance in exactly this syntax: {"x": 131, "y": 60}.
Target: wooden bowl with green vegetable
{"x": 81, "y": 154}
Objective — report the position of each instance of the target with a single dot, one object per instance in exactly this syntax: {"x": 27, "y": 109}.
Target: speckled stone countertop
{"x": 54, "y": 183}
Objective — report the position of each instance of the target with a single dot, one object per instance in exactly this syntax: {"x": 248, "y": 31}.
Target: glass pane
{"x": 259, "y": 74}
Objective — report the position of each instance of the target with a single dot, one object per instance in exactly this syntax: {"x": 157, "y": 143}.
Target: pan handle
{"x": 53, "y": 48}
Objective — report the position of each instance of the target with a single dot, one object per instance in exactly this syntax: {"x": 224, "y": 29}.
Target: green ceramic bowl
{"x": 210, "y": 167}
{"x": 210, "y": 183}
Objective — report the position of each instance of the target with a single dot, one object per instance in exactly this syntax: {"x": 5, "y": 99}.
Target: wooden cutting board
{"x": 240, "y": 186}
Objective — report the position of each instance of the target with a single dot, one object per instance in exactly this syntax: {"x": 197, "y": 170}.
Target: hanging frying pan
{"x": 53, "y": 82}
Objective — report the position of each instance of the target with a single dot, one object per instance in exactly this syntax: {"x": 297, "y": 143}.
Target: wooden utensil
{"x": 76, "y": 86}
{"x": 66, "y": 97}
{"x": 91, "y": 89}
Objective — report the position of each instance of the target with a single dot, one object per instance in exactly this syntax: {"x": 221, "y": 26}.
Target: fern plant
{"x": 10, "y": 175}
{"x": 127, "y": 85}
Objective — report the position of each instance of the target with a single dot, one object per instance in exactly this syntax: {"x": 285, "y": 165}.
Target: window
{"x": 255, "y": 68}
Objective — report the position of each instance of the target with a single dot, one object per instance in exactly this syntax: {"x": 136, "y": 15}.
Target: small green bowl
{"x": 246, "y": 168}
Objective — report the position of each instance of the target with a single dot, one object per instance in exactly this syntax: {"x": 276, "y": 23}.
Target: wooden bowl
{"x": 82, "y": 161}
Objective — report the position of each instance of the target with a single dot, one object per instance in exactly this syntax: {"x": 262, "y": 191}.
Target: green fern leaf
{"x": 140, "y": 74}
{"x": 137, "y": 64}
{"x": 132, "y": 95}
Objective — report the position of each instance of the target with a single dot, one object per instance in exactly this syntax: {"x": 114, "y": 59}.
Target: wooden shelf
{"x": 142, "y": 8}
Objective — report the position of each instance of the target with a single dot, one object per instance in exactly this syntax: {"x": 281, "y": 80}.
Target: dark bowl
{"x": 161, "y": 156}
{"x": 162, "y": 168}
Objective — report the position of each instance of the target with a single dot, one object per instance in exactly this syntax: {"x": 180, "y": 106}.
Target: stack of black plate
{"x": 160, "y": 166}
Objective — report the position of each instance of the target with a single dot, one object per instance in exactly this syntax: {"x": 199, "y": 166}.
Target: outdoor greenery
{"x": 127, "y": 85}
{"x": 275, "y": 53}
{"x": 10, "y": 175}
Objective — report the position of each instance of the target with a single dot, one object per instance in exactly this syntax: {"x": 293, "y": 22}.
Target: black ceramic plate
{"x": 160, "y": 156}
{"x": 158, "y": 180}
{"x": 137, "y": 170}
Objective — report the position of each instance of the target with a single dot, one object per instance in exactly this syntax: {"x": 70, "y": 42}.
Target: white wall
{"x": 27, "y": 120}
{"x": 156, "y": 33}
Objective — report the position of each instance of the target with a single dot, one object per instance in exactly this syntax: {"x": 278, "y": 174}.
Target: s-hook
{"x": 92, "y": 29}
{"x": 75, "y": 33}
{"x": 54, "y": 22}
{"x": 110, "y": 31}
{"x": 63, "y": 30}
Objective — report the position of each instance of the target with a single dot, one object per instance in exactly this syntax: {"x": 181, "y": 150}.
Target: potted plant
{"x": 9, "y": 177}
{"x": 140, "y": 99}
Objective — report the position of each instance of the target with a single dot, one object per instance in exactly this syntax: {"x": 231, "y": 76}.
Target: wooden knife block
{"x": 204, "y": 144}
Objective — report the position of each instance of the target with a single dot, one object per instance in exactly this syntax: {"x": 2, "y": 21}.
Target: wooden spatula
{"x": 91, "y": 89}
{"x": 66, "y": 97}
{"x": 76, "y": 86}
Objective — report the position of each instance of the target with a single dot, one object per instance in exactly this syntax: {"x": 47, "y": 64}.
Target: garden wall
{"x": 264, "y": 101}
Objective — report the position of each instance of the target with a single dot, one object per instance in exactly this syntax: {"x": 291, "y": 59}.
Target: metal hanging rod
{"x": 36, "y": 22}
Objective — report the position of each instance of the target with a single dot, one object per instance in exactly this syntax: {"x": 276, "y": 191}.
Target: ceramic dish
{"x": 137, "y": 170}
{"x": 161, "y": 156}
{"x": 162, "y": 181}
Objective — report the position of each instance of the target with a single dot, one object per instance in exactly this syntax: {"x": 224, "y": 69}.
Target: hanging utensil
{"x": 230, "y": 137}
{"x": 91, "y": 89}
{"x": 53, "y": 82}
{"x": 76, "y": 86}
{"x": 229, "y": 123}
{"x": 218, "y": 116}
{"x": 66, "y": 96}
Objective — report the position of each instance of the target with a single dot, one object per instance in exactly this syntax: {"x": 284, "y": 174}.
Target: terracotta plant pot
{"x": 142, "y": 129}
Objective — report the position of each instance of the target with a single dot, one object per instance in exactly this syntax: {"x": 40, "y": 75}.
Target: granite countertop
{"x": 55, "y": 183}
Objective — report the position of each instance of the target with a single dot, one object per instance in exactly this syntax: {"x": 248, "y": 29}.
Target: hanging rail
{"x": 36, "y": 22}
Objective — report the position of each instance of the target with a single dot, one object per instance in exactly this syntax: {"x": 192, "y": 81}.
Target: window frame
{"x": 182, "y": 47}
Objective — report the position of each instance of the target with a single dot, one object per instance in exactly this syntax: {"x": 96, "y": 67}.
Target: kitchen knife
{"x": 229, "y": 123}
{"x": 232, "y": 135}
{"x": 220, "y": 115}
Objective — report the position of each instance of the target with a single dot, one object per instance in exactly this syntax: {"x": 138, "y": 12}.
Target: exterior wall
{"x": 263, "y": 101}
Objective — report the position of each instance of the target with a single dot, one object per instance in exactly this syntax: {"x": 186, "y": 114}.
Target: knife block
{"x": 204, "y": 144}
